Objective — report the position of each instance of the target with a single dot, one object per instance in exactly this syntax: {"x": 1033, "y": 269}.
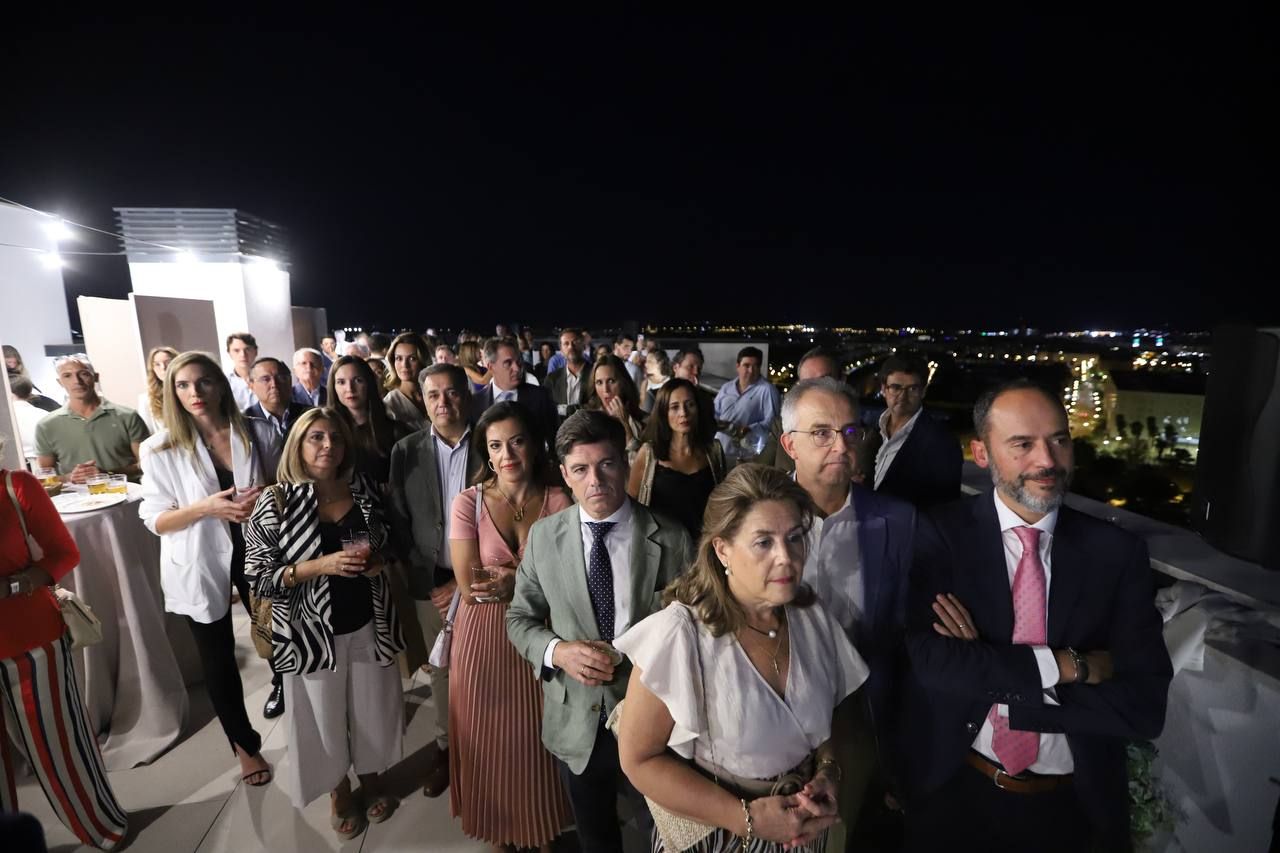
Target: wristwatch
{"x": 1081, "y": 664}
{"x": 15, "y": 585}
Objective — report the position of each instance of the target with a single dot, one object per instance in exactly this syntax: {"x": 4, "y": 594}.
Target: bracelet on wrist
{"x": 829, "y": 765}
{"x": 746, "y": 812}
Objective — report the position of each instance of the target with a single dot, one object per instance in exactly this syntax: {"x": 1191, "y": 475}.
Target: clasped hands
{"x": 955, "y": 622}
{"x": 797, "y": 819}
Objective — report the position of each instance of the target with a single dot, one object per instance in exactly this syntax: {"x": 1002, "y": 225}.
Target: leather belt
{"x": 1016, "y": 784}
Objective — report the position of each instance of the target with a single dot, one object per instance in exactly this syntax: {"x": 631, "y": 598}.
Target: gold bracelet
{"x": 293, "y": 574}
{"x": 746, "y": 811}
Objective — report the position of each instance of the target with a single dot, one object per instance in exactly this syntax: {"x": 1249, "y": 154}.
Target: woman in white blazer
{"x": 201, "y": 476}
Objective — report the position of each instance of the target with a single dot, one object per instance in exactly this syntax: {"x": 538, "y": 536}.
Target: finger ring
{"x": 583, "y": 672}
{"x": 963, "y": 626}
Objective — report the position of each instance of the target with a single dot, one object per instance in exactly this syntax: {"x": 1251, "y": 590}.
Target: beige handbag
{"x": 85, "y": 628}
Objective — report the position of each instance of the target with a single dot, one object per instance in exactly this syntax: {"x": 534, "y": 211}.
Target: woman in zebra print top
{"x": 335, "y": 630}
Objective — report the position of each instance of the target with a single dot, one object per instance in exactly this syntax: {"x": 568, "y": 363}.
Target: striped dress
{"x": 502, "y": 781}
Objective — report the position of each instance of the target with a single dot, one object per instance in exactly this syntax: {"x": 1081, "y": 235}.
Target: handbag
{"x": 84, "y": 627}
{"x": 260, "y": 605}
{"x": 441, "y": 648}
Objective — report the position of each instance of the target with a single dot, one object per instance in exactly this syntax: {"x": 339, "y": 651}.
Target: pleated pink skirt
{"x": 502, "y": 781}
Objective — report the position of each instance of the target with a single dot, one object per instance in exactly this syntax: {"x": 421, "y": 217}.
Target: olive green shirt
{"x": 107, "y": 437}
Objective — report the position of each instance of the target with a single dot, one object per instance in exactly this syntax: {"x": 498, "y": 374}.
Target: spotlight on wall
{"x": 51, "y": 260}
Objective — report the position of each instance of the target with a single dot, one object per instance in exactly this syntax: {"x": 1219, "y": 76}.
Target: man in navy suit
{"x": 859, "y": 556}
{"x": 918, "y": 460}
{"x": 502, "y": 358}
{"x": 1036, "y": 651}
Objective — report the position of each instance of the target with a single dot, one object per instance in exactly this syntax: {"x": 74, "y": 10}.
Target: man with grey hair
{"x": 308, "y": 371}
{"x": 814, "y": 364}
{"x": 89, "y": 435}
{"x": 858, "y": 557}
{"x": 1016, "y": 735}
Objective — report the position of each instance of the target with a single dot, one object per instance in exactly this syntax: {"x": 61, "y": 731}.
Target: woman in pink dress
{"x": 502, "y": 782}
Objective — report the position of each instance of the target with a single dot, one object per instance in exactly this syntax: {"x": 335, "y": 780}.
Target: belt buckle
{"x": 996, "y": 779}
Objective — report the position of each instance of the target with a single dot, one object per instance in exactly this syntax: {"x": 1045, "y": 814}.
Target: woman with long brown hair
{"x": 353, "y": 393}
{"x": 471, "y": 357}
{"x": 730, "y": 705}
{"x": 151, "y": 401}
{"x": 503, "y": 783}
{"x": 612, "y": 391}
{"x": 680, "y": 461}
{"x": 406, "y": 357}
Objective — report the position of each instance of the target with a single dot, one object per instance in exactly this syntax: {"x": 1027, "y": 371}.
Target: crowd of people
{"x": 741, "y": 620}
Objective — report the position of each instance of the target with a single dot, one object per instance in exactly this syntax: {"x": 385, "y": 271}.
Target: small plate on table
{"x": 71, "y": 502}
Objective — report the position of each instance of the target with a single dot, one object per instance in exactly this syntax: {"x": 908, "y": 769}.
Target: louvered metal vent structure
{"x": 211, "y": 234}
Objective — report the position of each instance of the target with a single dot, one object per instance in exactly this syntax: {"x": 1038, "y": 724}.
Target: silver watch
{"x": 15, "y": 585}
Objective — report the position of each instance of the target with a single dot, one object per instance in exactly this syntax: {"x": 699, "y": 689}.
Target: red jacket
{"x": 31, "y": 621}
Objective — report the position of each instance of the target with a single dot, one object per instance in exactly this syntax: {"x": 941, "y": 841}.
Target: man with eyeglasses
{"x": 89, "y": 435}
{"x": 859, "y": 555}
{"x": 814, "y": 364}
{"x": 918, "y": 460}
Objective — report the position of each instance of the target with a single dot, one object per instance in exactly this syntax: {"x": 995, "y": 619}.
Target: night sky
{"x": 1067, "y": 172}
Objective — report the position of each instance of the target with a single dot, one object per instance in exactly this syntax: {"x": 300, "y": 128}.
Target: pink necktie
{"x": 1017, "y": 750}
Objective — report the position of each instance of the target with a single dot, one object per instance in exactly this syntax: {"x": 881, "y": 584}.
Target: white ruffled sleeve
{"x": 664, "y": 647}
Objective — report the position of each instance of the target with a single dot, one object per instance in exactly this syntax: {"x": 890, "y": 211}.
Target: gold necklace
{"x": 517, "y": 512}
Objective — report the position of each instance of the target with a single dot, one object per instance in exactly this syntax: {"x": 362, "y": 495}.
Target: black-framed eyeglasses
{"x": 895, "y": 388}
{"x": 826, "y": 436}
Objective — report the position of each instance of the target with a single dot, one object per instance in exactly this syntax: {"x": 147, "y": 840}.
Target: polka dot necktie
{"x": 600, "y": 578}
{"x": 1017, "y": 750}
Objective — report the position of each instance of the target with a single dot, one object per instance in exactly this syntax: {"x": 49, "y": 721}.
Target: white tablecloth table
{"x": 134, "y": 689}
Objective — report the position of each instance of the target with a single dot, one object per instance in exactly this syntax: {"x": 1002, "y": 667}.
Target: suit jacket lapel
{"x": 574, "y": 571}
{"x": 991, "y": 574}
{"x": 1066, "y": 582}
{"x": 646, "y": 557}
{"x": 873, "y": 542}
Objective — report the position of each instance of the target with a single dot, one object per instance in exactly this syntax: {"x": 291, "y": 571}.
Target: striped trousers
{"x": 44, "y": 714}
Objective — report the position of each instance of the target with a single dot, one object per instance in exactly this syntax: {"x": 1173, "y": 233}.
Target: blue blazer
{"x": 1100, "y": 598}
{"x": 926, "y": 469}
{"x": 886, "y": 531}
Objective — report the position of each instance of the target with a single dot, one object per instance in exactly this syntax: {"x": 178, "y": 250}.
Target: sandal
{"x": 352, "y": 814}
{"x": 251, "y": 774}
{"x": 387, "y": 802}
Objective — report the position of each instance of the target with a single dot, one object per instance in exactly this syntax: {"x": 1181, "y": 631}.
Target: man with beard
{"x": 1035, "y": 648}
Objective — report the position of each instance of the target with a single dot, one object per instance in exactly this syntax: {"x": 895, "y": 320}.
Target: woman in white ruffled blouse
{"x": 727, "y": 724}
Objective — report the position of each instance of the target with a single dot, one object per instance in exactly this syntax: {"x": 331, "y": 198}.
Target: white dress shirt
{"x": 451, "y": 466}
{"x": 500, "y": 396}
{"x": 241, "y": 391}
{"x": 1055, "y": 754}
{"x": 573, "y": 386}
{"x": 618, "y": 544}
{"x": 892, "y": 444}
{"x": 834, "y": 566}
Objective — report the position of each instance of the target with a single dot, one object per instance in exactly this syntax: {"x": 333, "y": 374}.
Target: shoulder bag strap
{"x": 22, "y": 518}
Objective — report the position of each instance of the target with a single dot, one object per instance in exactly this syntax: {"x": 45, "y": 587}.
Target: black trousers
{"x": 970, "y": 812}
{"x": 216, "y": 644}
{"x": 593, "y": 796}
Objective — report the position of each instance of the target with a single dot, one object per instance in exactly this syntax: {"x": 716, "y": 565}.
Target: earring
{"x": 726, "y": 570}
{"x": 491, "y": 468}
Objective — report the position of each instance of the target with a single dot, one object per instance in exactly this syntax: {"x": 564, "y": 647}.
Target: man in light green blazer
{"x": 588, "y": 573}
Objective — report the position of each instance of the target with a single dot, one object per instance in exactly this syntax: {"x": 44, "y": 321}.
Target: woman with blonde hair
{"x": 406, "y": 357}
{"x": 151, "y": 401}
{"x": 353, "y": 394}
{"x": 730, "y": 704}
{"x": 201, "y": 475}
{"x": 314, "y": 548}
{"x": 471, "y": 357}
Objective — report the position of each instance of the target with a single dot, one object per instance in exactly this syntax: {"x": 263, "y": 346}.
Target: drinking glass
{"x": 119, "y": 484}
{"x": 99, "y": 484}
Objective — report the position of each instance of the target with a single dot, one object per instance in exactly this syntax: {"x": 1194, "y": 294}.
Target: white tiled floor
{"x": 191, "y": 798}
